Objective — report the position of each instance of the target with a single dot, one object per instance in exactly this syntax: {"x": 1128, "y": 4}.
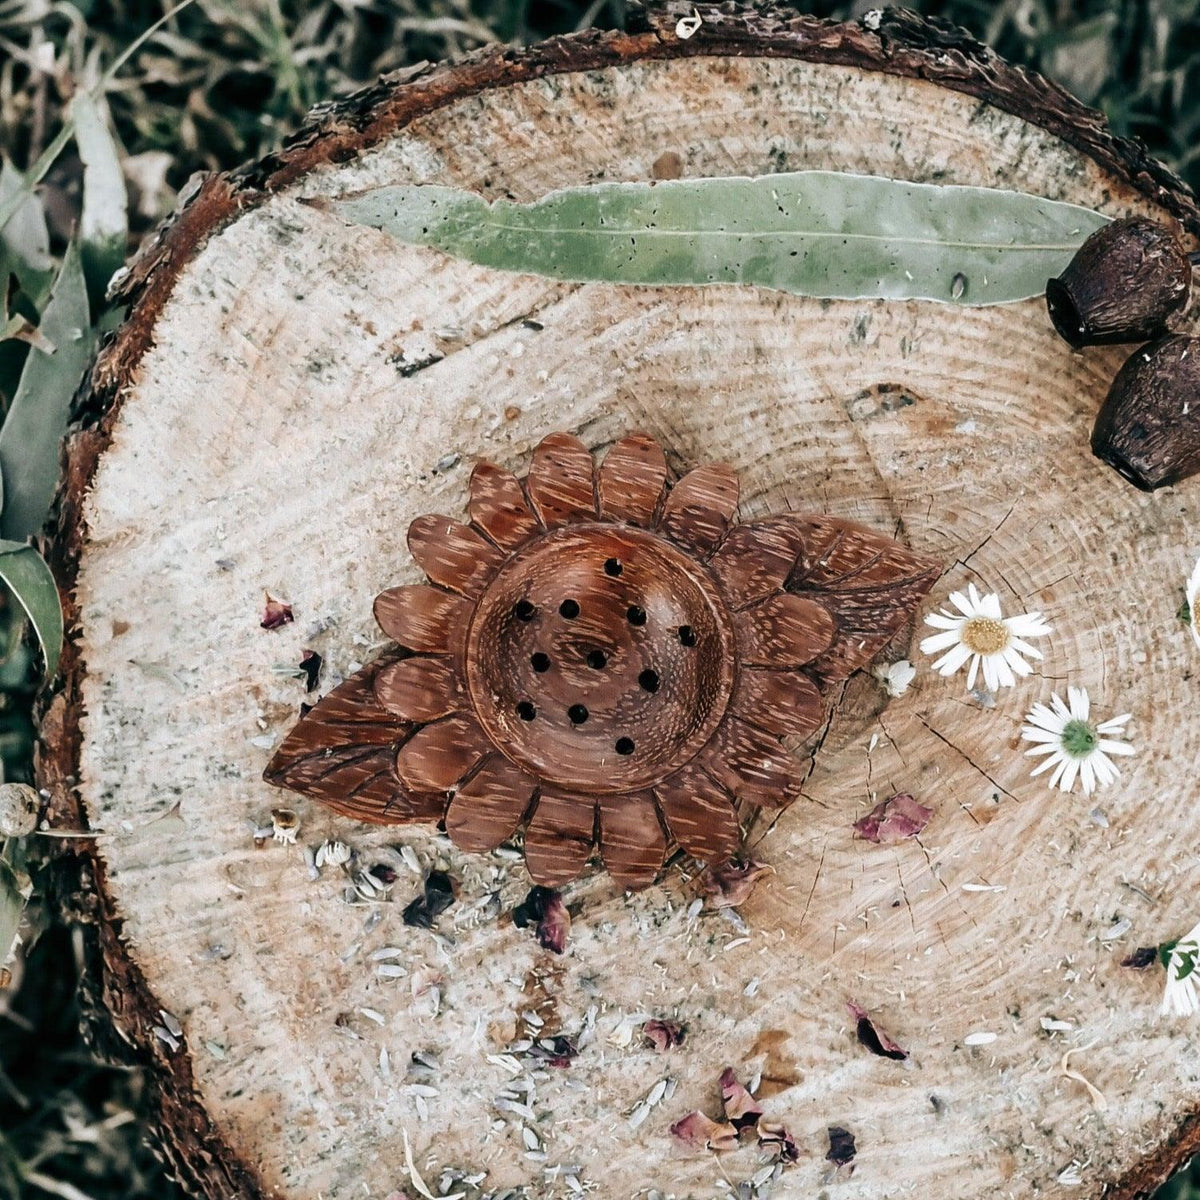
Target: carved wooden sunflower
{"x": 605, "y": 657}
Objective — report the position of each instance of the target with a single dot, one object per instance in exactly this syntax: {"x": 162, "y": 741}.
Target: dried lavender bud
{"x": 1122, "y": 285}
{"x": 1148, "y": 428}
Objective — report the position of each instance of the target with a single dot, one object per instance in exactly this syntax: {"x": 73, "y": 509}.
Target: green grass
{"x": 224, "y": 81}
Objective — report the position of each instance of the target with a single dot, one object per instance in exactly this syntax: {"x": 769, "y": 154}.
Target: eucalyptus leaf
{"x": 104, "y": 221}
{"x": 812, "y": 233}
{"x": 24, "y": 573}
{"x": 41, "y": 405}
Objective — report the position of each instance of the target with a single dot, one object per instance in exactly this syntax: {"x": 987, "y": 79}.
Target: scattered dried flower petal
{"x": 841, "y": 1146}
{"x": 703, "y": 1133}
{"x": 1141, "y": 958}
{"x": 310, "y": 664}
{"x": 275, "y": 612}
{"x": 893, "y": 820}
{"x": 740, "y": 1109}
{"x": 544, "y": 909}
{"x": 663, "y": 1035}
{"x": 730, "y": 883}
{"x": 775, "y": 1137}
{"x": 285, "y": 824}
{"x": 874, "y": 1038}
{"x": 686, "y": 27}
{"x": 437, "y": 896}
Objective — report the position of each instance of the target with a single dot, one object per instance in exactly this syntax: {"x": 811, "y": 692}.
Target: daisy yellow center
{"x": 1079, "y": 738}
{"x": 985, "y": 635}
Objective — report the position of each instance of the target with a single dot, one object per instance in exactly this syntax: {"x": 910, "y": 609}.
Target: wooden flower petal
{"x": 783, "y": 631}
{"x": 752, "y": 764}
{"x": 342, "y": 753}
{"x": 419, "y": 689}
{"x": 631, "y": 480}
{"x": 755, "y": 560}
{"x": 437, "y": 756}
{"x": 701, "y": 506}
{"x": 498, "y": 507}
{"x": 632, "y": 842}
{"x": 487, "y": 809}
{"x": 423, "y": 619}
{"x": 559, "y": 837}
{"x": 699, "y": 813}
{"x": 453, "y": 554}
{"x": 783, "y": 702}
{"x": 870, "y": 582}
{"x": 560, "y": 480}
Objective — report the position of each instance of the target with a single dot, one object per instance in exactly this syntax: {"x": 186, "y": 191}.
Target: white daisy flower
{"x": 981, "y": 633}
{"x": 1193, "y": 599}
{"x": 1074, "y": 746}
{"x": 1180, "y": 998}
{"x": 895, "y": 677}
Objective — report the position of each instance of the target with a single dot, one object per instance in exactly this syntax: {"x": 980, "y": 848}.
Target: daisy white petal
{"x": 1065, "y": 739}
{"x": 951, "y": 661}
{"x": 1180, "y": 998}
{"x": 979, "y": 634}
{"x": 939, "y": 641}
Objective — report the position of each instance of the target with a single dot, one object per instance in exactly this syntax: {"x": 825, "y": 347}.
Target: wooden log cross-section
{"x": 290, "y": 390}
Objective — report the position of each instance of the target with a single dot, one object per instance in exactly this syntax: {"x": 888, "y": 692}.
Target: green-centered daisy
{"x": 1074, "y": 745}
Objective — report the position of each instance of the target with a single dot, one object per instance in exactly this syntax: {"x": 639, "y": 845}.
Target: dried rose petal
{"x": 275, "y": 612}
{"x": 437, "y": 896}
{"x": 662, "y": 1035}
{"x": 729, "y": 884}
{"x": 774, "y": 1136}
{"x": 310, "y": 664}
{"x": 553, "y": 1051}
{"x": 544, "y": 908}
{"x": 873, "y": 1037}
{"x": 740, "y": 1108}
{"x": 1141, "y": 958}
{"x": 894, "y": 820}
{"x": 703, "y": 1133}
{"x": 841, "y": 1146}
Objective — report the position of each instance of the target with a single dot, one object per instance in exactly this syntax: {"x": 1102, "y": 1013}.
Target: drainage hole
{"x": 612, "y": 566}
{"x": 597, "y": 660}
{"x": 687, "y": 635}
{"x": 540, "y": 662}
{"x": 624, "y": 745}
{"x": 577, "y": 714}
{"x": 648, "y": 680}
{"x": 569, "y": 609}
{"x": 635, "y": 615}
{"x": 526, "y": 711}
{"x": 524, "y": 610}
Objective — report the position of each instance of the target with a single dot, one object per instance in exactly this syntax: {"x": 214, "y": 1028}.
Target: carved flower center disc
{"x": 601, "y": 658}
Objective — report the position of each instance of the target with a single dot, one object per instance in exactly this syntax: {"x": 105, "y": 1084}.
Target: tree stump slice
{"x": 289, "y": 392}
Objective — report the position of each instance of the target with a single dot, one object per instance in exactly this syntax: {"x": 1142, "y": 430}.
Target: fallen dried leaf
{"x": 729, "y": 884}
{"x": 544, "y": 908}
{"x": 703, "y": 1133}
{"x": 310, "y": 664}
{"x": 874, "y": 1038}
{"x": 893, "y": 820}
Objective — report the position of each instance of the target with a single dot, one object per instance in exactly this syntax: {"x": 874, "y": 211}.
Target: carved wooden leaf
{"x": 343, "y": 754}
{"x": 870, "y": 583}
